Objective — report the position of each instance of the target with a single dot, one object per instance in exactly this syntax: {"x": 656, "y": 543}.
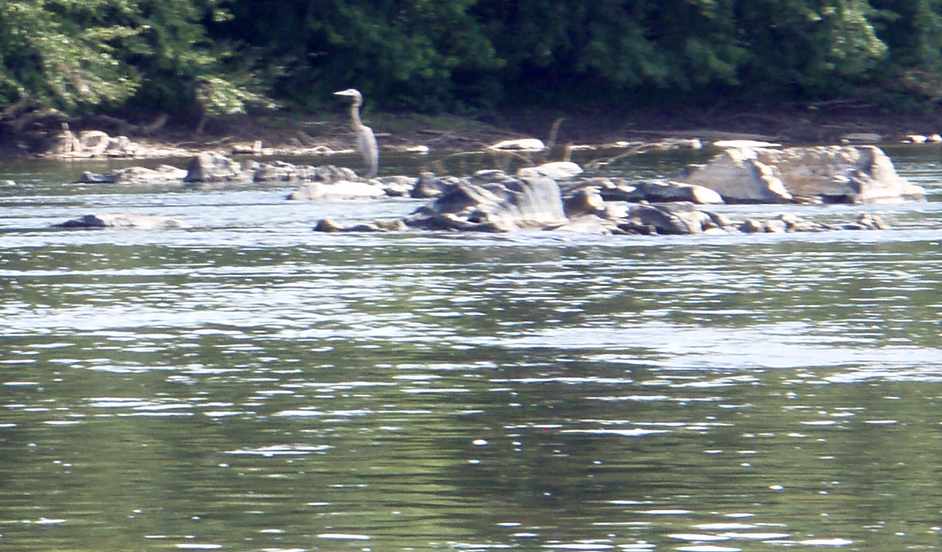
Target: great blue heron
{"x": 366, "y": 142}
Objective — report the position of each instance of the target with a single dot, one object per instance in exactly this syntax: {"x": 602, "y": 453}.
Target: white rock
{"x": 338, "y": 190}
{"x": 745, "y": 144}
{"x": 737, "y": 175}
{"x": 523, "y": 144}
{"x": 558, "y": 170}
{"x": 861, "y": 138}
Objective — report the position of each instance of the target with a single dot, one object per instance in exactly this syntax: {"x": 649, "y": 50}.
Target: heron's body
{"x": 366, "y": 140}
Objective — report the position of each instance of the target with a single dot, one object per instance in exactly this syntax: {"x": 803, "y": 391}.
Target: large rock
{"x": 122, "y": 220}
{"x": 738, "y": 176}
{"x": 557, "y": 170}
{"x": 661, "y": 192}
{"x": 214, "y": 167}
{"x": 844, "y": 174}
{"x": 669, "y": 218}
{"x": 428, "y": 185}
{"x": 532, "y": 203}
{"x": 163, "y": 174}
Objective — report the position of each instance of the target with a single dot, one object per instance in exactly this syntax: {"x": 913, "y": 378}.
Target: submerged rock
{"x": 337, "y": 190}
{"x": 122, "y": 220}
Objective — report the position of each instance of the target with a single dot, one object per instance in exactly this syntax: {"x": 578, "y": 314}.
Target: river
{"x": 246, "y": 384}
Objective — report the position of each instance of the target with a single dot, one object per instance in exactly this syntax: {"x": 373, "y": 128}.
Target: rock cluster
{"x": 89, "y": 144}
{"x": 555, "y": 196}
{"x": 539, "y": 204}
{"x": 122, "y": 220}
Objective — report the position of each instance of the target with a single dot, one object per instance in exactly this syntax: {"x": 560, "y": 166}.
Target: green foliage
{"x": 64, "y": 53}
{"x": 197, "y": 57}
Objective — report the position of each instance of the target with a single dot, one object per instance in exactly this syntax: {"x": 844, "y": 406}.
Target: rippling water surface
{"x": 248, "y": 384}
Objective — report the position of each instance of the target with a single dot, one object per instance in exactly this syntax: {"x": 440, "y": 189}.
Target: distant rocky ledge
{"x": 556, "y": 196}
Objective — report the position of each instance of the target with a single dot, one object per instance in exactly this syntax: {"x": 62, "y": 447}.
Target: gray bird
{"x": 366, "y": 142}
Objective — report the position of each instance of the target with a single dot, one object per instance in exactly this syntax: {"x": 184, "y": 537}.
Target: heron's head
{"x": 352, "y": 93}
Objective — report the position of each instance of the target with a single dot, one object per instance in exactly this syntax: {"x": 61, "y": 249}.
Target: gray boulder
{"x": 428, "y": 185}
{"x": 662, "y": 192}
{"x": 215, "y": 167}
{"x": 531, "y": 203}
{"x": 668, "y": 218}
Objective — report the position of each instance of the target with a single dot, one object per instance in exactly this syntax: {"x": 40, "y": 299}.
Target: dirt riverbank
{"x": 286, "y": 132}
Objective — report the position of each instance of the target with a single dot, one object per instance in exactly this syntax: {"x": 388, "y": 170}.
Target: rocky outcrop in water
{"x": 163, "y": 174}
{"x": 506, "y": 206}
{"x": 509, "y": 204}
{"x": 829, "y": 174}
{"x": 122, "y": 220}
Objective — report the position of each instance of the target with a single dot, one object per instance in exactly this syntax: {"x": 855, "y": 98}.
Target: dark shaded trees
{"x": 196, "y": 57}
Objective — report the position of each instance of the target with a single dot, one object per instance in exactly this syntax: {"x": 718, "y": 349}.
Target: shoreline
{"x": 294, "y": 134}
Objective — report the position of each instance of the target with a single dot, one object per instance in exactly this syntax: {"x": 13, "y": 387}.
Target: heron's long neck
{"x": 355, "y": 115}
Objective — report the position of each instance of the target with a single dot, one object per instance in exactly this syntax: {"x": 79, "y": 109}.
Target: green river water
{"x": 246, "y": 384}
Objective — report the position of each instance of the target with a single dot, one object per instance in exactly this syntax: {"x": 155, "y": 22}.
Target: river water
{"x": 246, "y": 384}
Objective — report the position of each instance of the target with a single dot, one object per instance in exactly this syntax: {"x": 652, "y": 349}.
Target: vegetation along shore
{"x": 198, "y": 73}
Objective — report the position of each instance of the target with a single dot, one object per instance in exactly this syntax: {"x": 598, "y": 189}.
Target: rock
{"x": 253, "y": 148}
{"x": 585, "y": 201}
{"x": 670, "y": 218}
{"x": 428, "y": 185}
{"x": 89, "y": 177}
{"x": 397, "y": 186}
{"x": 523, "y": 144}
{"x": 122, "y": 146}
{"x": 751, "y": 226}
{"x": 745, "y": 144}
{"x": 843, "y": 174}
{"x": 142, "y": 175}
{"x": 488, "y": 176}
{"x": 64, "y": 143}
{"x": 558, "y": 170}
{"x": 661, "y": 192}
{"x": 861, "y": 138}
{"x": 531, "y": 203}
{"x": 214, "y": 167}
{"x": 738, "y": 176}
{"x": 872, "y": 222}
{"x": 7, "y": 183}
{"x": 775, "y": 226}
{"x": 122, "y": 220}
{"x": 319, "y": 191}
{"x": 588, "y": 224}
{"x": 93, "y": 143}
{"x": 163, "y": 174}
{"x": 328, "y": 225}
